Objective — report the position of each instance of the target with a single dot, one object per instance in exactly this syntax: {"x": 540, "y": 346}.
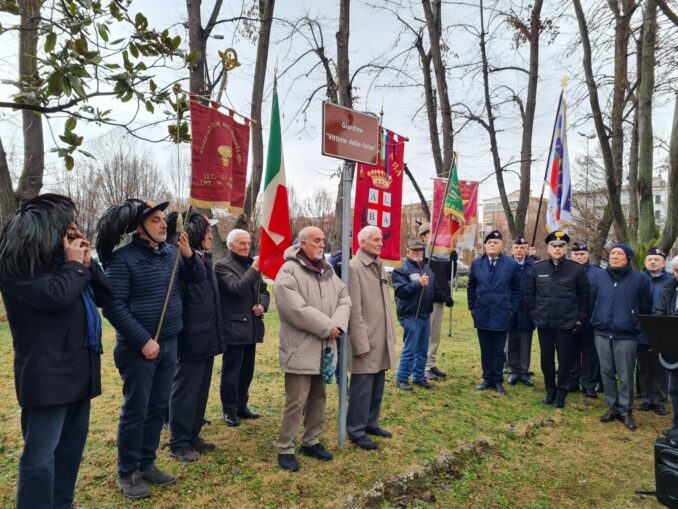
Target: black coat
{"x": 48, "y": 323}
{"x": 238, "y": 284}
{"x": 444, "y": 270}
{"x": 666, "y": 305}
{"x": 522, "y": 318}
{"x": 559, "y": 296}
{"x": 201, "y": 315}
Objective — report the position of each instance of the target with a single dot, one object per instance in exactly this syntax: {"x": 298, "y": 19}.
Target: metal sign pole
{"x": 345, "y": 273}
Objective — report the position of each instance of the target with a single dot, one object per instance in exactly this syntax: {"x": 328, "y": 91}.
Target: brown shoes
{"x": 614, "y": 415}
{"x": 609, "y": 416}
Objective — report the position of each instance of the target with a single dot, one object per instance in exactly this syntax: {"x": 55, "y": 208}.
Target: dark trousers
{"x": 146, "y": 392}
{"x": 237, "y": 371}
{"x": 364, "y": 403}
{"x": 556, "y": 342}
{"x": 652, "y": 376}
{"x": 54, "y": 438}
{"x": 492, "y": 354}
{"x": 189, "y": 400}
{"x": 519, "y": 352}
{"x": 673, "y": 392}
{"x": 586, "y": 367}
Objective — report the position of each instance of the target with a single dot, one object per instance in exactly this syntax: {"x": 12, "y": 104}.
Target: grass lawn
{"x": 578, "y": 462}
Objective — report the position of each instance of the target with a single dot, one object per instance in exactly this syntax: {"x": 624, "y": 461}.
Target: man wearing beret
{"x": 619, "y": 294}
{"x": 586, "y": 367}
{"x": 493, "y": 295}
{"x": 413, "y": 286}
{"x": 651, "y": 373}
{"x": 443, "y": 268}
{"x": 559, "y": 299}
{"x": 519, "y": 346}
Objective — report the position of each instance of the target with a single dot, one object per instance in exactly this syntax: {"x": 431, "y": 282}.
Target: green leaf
{"x": 70, "y": 124}
{"x": 50, "y": 42}
{"x": 84, "y": 152}
{"x": 69, "y": 162}
{"x": 103, "y": 32}
{"x": 149, "y": 107}
{"x": 190, "y": 58}
{"x": 133, "y": 50}
{"x": 176, "y": 42}
{"x": 152, "y": 86}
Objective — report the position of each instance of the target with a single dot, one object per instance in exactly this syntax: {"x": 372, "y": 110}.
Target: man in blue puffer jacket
{"x": 619, "y": 295}
{"x": 414, "y": 292}
{"x": 651, "y": 374}
{"x": 139, "y": 274}
{"x": 493, "y": 296}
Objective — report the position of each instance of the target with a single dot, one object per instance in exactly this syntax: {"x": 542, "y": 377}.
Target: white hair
{"x": 674, "y": 261}
{"x": 303, "y": 233}
{"x": 230, "y": 239}
{"x": 367, "y": 231}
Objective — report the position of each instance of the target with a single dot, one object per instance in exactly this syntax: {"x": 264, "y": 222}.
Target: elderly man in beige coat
{"x": 372, "y": 339}
{"x": 314, "y": 307}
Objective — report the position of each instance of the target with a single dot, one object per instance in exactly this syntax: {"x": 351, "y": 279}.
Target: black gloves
{"x": 449, "y": 302}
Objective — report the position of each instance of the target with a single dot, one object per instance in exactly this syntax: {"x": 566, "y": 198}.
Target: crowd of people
{"x": 166, "y": 343}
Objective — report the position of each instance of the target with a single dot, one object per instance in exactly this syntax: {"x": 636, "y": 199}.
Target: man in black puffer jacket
{"x": 244, "y": 300}
{"x": 558, "y": 298}
{"x": 197, "y": 345}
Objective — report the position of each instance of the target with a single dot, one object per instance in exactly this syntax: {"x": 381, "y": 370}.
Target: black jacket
{"x": 666, "y": 305}
{"x": 48, "y": 323}
{"x": 409, "y": 294}
{"x": 444, "y": 271}
{"x": 558, "y": 295}
{"x": 201, "y": 315}
{"x": 238, "y": 284}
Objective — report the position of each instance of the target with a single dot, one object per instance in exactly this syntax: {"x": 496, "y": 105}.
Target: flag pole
{"x": 546, "y": 171}
{"x": 435, "y": 235}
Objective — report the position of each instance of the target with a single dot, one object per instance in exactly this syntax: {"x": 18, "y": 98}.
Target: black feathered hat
{"x": 33, "y": 235}
{"x": 117, "y": 221}
{"x": 196, "y": 227}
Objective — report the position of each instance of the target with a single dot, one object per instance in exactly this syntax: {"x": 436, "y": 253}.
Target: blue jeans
{"x": 415, "y": 348}
{"x": 146, "y": 393}
{"x": 54, "y": 438}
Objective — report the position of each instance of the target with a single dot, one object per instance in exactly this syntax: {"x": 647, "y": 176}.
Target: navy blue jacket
{"x": 658, "y": 282}
{"x": 48, "y": 322}
{"x": 407, "y": 290}
{"x": 493, "y": 295}
{"x": 591, "y": 271}
{"x": 559, "y": 296}
{"x": 139, "y": 275}
{"x": 618, "y": 299}
{"x": 200, "y": 338}
{"x": 522, "y": 319}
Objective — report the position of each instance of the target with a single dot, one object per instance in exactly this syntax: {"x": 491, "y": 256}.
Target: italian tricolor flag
{"x": 276, "y": 235}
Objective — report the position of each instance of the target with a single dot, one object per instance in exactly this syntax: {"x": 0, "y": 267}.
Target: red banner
{"x": 218, "y": 159}
{"x": 469, "y": 197}
{"x": 379, "y": 195}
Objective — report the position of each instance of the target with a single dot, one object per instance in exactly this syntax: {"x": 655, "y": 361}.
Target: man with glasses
{"x": 558, "y": 299}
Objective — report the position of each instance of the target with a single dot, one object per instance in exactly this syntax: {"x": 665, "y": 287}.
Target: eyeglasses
{"x": 557, "y": 243}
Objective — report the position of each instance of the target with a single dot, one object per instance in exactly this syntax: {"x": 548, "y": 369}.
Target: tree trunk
{"x": 8, "y": 200}
{"x": 647, "y": 227}
{"x": 431, "y": 108}
{"x": 602, "y": 231}
{"x": 612, "y": 158}
{"x": 528, "y": 120}
{"x": 422, "y": 199}
{"x": 671, "y": 227}
{"x": 494, "y": 149}
{"x": 197, "y": 43}
{"x": 432, "y": 14}
{"x": 30, "y": 181}
{"x": 265, "y": 21}
{"x": 345, "y": 99}
{"x": 633, "y": 176}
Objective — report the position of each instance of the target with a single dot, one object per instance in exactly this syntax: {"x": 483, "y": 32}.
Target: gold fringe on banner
{"x": 207, "y": 204}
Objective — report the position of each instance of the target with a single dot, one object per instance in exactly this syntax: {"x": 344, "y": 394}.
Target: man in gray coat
{"x": 314, "y": 308}
{"x": 372, "y": 339}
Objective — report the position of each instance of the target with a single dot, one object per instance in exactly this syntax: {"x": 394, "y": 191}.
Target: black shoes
{"x": 404, "y": 386}
{"x": 423, "y": 383}
{"x": 485, "y": 386}
{"x": 500, "y": 389}
{"x": 590, "y": 392}
{"x": 549, "y": 397}
{"x": 513, "y": 379}
{"x": 559, "y": 401}
{"x": 201, "y": 446}
{"x": 364, "y": 443}
{"x": 437, "y": 372}
{"x": 231, "y": 419}
{"x": 316, "y": 451}
{"x": 610, "y": 415}
{"x": 154, "y": 475}
{"x": 629, "y": 423}
{"x": 185, "y": 454}
{"x": 660, "y": 410}
{"x": 645, "y": 406}
{"x": 246, "y": 413}
{"x": 527, "y": 382}
{"x": 378, "y": 432}
{"x": 288, "y": 462}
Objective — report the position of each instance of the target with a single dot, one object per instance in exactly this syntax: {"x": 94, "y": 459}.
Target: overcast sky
{"x": 373, "y": 32}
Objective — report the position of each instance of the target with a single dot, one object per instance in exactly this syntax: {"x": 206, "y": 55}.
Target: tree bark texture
{"x": 671, "y": 227}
